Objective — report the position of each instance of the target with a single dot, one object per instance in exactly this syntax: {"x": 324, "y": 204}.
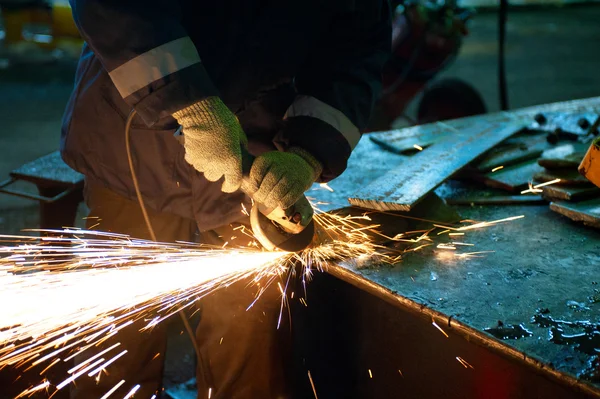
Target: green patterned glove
{"x": 279, "y": 179}
{"x": 213, "y": 141}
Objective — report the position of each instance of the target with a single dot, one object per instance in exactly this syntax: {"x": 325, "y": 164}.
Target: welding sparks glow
{"x": 74, "y": 293}
{"x": 77, "y": 288}
{"x": 312, "y": 384}
{"x": 439, "y": 328}
{"x": 537, "y": 187}
{"x": 30, "y": 391}
{"x": 132, "y": 392}
{"x": 463, "y": 362}
{"x": 80, "y": 295}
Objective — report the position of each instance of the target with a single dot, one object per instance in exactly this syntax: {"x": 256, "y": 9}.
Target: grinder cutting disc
{"x": 273, "y": 237}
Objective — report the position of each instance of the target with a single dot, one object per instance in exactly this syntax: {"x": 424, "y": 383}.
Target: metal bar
{"x": 497, "y": 200}
{"x": 400, "y": 189}
{"x": 35, "y": 197}
{"x": 587, "y": 212}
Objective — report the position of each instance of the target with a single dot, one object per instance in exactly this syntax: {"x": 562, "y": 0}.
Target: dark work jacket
{"x": 302, "y": 74}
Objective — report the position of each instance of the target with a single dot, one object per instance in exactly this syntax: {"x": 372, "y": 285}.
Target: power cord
{"x": 136, "y": 185}
{"x": 140, "y": 199}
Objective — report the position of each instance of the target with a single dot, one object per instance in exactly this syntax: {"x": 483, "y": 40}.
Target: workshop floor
{"x": 552, "y": 55}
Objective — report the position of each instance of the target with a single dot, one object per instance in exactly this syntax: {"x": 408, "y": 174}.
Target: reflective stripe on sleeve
{"x": 310, "y": 106}
{"x": 154, "y": 64}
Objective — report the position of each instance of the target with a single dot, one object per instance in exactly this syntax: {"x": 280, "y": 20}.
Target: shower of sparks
{"x": 78, "y": 288}
{"x": 480, "y": 225}
{"x": 31, "y": 391}
{"x": 463, "y": 362}
{"x": 113, "y": 389}
{"x": 537, "y": 188}
{"x": 74, "y": 292}
{"x": 326, "y": 187}
{"x": 312, "y": 384}
{"x": 439, "y": 328}
{"x": 132, "y": 392}
{"x": 547, "y": 183}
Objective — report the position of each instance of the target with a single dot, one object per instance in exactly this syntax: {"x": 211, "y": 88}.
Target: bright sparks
{"x": 463, "y": 362}
{"x": 439, "y": 328}
{"x": 77, "y": 288}
{"x": 75, "y": 292}
{"x": 537, "y": 188}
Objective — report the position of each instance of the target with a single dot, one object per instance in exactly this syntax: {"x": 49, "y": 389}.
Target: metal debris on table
{"x": 402, "y": 188}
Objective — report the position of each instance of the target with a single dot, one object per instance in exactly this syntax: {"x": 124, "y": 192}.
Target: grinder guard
{"x": 289, "y": 230}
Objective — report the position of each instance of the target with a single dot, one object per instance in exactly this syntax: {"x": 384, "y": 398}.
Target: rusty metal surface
{"x": 543, "y": 274}
{"x": 49, "y": 169}
{"x": 587, "y": 212}
{"x": 570, "y": 193}
{"x": 402, "y": 187}
{"x": 590, "y": 165}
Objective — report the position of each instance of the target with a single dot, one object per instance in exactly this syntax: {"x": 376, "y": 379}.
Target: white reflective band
{"x": 153, "y": 65}
{"x": 310, "y": 106}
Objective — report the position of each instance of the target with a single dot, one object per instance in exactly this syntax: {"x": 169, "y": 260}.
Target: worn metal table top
{"x": 543, "y": 276}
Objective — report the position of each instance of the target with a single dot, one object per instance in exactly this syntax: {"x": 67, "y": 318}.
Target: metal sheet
{"x": 401, "y": 188}
{"x": 496, "y": 200}
{"x": 513, "y": 178}
{"x": 509, "y": 284}
{"x": 567, "y": 177}
{"x": 519, "y": 150}
{"x": 49, "y": 169}
{"x": 570, "y": 193}
{"x": 587, "y": 212}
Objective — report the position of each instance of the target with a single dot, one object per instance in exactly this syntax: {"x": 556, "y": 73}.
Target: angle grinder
{"x": 290, "y": 229}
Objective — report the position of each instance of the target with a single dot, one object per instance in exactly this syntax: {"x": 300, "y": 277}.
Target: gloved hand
{"x": 278, "y": 179}
{"x": 213, "y": 140}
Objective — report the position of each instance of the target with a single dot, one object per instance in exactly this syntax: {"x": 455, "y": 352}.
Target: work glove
{"x": 213, "y": 140}
{"x": 279, "y": 179}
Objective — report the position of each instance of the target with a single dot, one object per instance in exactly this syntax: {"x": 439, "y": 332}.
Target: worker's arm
{"x": 147, "y": 53}
{"x": 157, "y": 70}
{"x": 338, "y": 86}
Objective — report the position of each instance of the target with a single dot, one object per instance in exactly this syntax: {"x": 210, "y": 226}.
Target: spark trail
{"x": 74, "y": 290}
{"x": 71, "y": 290}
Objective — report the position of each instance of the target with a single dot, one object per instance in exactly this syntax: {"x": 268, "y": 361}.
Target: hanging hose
{"x": 140, "y": 199}
{"x": 502, "y": 14}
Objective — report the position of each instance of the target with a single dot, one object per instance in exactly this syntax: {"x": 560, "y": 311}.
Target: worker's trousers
{"x": 242, "y": 351}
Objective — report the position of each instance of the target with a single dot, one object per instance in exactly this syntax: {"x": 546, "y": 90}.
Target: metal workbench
{"x": 524, "y": 318}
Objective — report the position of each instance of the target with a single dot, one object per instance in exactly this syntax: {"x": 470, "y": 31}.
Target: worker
{"x": 293, "y": 82}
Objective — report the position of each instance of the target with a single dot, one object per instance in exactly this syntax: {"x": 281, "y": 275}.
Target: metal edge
{"x": 516, "y": 126}
{"x": 462, "y": 329}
